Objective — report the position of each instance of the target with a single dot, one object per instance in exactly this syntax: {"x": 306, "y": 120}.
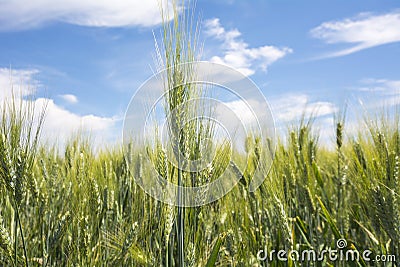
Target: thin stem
{"x": 23, "y": 239}
{"x": 16, "y": 236}
{"x": 166, "y": 254}
{"x": 171, "y": 260}
{"x": 181, "y": 255}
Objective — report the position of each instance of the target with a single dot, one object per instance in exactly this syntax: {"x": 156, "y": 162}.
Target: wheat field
{"x": 77, "y": 207}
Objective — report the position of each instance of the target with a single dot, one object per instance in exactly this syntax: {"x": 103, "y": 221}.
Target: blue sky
{"x": 89, "y": 57}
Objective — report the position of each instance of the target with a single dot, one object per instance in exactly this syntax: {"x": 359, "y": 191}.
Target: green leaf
{"x": 214, "y": 254}
{"x": 369, "y": 233}
{"x": 329, "y": 219}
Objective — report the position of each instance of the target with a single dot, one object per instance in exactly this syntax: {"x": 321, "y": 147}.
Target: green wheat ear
{"x": 19, "y": 130}
{"x": 5, "y": 241}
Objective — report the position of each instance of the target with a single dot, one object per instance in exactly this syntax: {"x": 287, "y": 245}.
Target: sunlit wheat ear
{"x": 393, "y": 200}
{"x": 5, "y": 240}
{"x": 190, "y": 255}
{"x": 310, "y": 199}
{"x": 169, "y": 216}
{"x": 284, "y": 223}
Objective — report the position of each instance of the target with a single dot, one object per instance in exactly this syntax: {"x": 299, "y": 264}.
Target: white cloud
{"x": 363, "y": 31}
{"x": 291, "y": 107}
{"x": 238, "y": 54}
{"x": 21, "y": 14}
{"x": 23, "y": 82}
{"x": 241, "y": 110}
{"x": 242, "y": 117}
{"x": 378, "y": 93}
{"x": 288, "y": 110}
{"x": 70, "y": 99}
{"x": 379, "y": 85}
{"x": 60, "y": 123}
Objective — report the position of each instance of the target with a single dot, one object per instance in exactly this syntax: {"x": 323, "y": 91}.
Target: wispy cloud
{"x": 380, "y": 85}
{"x": 20, "y": 14}
{"x": 364, "y": 31}
{"x": 69, "y": 99}
{"x": 238, "y": 54}
{"x": 378, "y": 93}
